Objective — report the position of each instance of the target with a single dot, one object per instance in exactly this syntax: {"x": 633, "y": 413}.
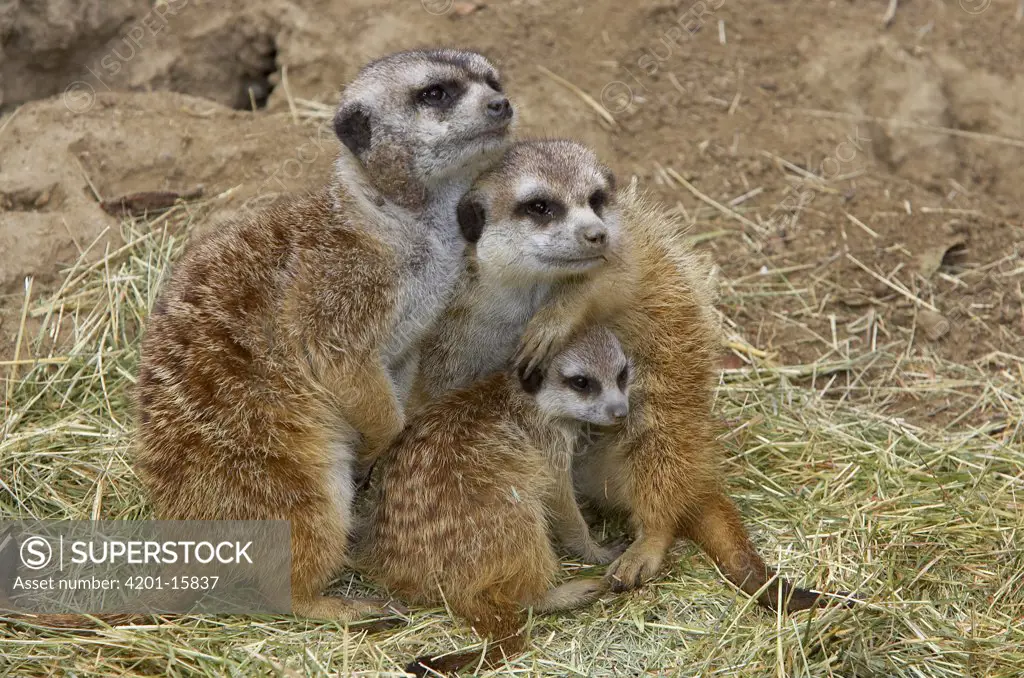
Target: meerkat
{"x": 278, "y": 357}
{"x": 544, "y": 262}
{"x": 463, "y": 506}
{"x": 661, "y": 466}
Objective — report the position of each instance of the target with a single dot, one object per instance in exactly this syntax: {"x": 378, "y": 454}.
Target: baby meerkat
{"x": 463, "y": 505}
{"x": 279, "y": 354}
{"x": 547, "y": 235}
{"x": 661, "y": 465}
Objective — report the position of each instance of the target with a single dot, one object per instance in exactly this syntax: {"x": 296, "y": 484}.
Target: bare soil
{"x": 867, "y": 177}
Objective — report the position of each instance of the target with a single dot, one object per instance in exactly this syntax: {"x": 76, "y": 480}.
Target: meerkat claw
{"x": 537, "y": 349}
{"x": 604, "y": 555}
{"x": 632, "y": 570}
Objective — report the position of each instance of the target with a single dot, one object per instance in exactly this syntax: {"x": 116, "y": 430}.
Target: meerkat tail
{"x": 450, "y": 664}
{"x": 501, "y": 622}
{"x": 719, "y": 531}
{"x": 505, "y": 626}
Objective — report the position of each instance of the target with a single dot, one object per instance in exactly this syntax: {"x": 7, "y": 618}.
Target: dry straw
{"x": 924, "y": 525}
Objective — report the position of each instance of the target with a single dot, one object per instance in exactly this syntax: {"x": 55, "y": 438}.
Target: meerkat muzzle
{"x": 499, "y": 108}
{"x": 593, "y": 237}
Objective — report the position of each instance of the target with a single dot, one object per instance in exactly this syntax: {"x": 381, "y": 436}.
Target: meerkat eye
{"x": 623, "y": 378}
{"x": 597, "y": 201}
{"x": 580, "y": 384}
{"x": 435, "y": 95}
{"x": 539, "y": 208}
{"x": 493, "y": 83}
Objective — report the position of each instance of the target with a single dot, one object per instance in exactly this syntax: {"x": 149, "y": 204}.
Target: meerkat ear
{"x": 352, "y": 125}
{"x": 609, "y": 176}
{"x": 471, "y": 216}
{"x": 531, "y": 381}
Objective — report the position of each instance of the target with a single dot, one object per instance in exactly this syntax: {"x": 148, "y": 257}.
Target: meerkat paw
{"x": 539, "y": 343}
{"x": 596, "y": 554}
{"x": 347, "y": 610}
{"x": 378, "y": 442}
{"x": 609, "y": 554}
{"x": 634, "y": 568}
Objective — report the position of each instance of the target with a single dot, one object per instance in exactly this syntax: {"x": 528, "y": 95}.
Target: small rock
{"x": 466, "y": 8}
{"x": 44, "y": 198}
{"x": 929, "y": 261}
{"x": 880, "y": 290}
{"x": 934, "y": 325}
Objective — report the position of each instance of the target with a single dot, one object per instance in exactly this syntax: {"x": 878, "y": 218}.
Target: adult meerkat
{"x": 545, "y": 261}
{"x": 463, "y": 506}
{"x": 661, "y": 466}
{"x": 280, "y": 352}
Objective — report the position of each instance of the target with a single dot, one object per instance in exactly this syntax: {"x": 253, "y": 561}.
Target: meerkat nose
{"x": 500, "y": 108}
{"x": 618, "y": 410}
{"x": 593, "y": 235}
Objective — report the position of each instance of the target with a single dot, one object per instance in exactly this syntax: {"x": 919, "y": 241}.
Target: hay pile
{"x": 924, "y": 525}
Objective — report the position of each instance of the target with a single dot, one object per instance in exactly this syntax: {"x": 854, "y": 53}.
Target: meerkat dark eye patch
{"x": 471, "y": 216}
{"x": 439, "y": 94}
{"x": 623, "y": 378}
{"x": 540, "y": 209}
{"x": 583, "y": 384}
{"x": 352, "y": 125}
{"x": 597, "y": 201}
{"x": 493, "y": 83}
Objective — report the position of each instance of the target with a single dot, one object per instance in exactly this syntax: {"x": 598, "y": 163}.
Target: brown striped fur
{"x": 277, "y": 358}
{"x": 464, "y": 506}
{"x": 662, "y": 468}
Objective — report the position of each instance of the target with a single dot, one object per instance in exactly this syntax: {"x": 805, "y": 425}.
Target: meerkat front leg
{"x": 551, "y": 327}
{"x": 370, "y": 405}
{"x": 570, "y": 307}
{"x": 654, "y": 491}
{"x": 569, "y": 526}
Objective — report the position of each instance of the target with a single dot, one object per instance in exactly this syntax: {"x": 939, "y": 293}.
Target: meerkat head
{"x": 587, "y": 381}
{"x": 545, "y": 211}
{"x": 417, "y": 120}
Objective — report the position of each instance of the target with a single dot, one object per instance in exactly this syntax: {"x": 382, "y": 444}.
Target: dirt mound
{"x": 223, "y": 51}
{"x": 52, "y": 161}
{"x": 910, "y": 99}
{"x": 43, "y": 41}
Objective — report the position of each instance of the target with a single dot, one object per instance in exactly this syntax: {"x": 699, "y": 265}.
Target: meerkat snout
{"x": 593, "y": 235}
{"x": 499, "y": 108}
{"x": 588, "y": 381}
{"x": 618, "y": 410}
